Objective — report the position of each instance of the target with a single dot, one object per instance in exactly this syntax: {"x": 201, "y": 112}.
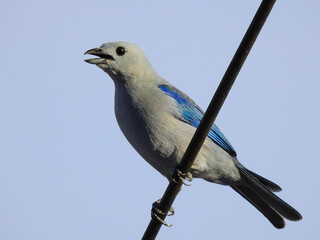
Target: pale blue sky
{"x": 66, "y": 170}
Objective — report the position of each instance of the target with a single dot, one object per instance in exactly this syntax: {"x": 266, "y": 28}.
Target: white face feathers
{"x": 121, "y": 60}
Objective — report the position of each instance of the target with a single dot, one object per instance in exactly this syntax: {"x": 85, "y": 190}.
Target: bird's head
{"x": 121, "y": 60}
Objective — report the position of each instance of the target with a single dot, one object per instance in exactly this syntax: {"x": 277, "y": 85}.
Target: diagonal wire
{"x": 211, "y": 114}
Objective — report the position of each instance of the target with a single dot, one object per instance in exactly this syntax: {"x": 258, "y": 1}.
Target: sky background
{"x": 66, "y": 170}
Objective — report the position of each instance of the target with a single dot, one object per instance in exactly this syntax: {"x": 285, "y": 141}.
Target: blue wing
{"x": 192, "y": 114}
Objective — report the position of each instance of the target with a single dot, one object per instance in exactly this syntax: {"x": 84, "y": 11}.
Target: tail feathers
{"x": 257, "y": 190}
{"x": 276, "y": 220}
{"x": 265, "y": 182}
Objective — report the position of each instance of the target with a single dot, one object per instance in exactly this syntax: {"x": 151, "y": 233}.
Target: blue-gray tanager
{"x": 159, "y": 121}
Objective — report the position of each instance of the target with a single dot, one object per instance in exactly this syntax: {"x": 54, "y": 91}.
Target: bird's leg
{"x": 155, "y": 212}
{"x": 177, "y": 176}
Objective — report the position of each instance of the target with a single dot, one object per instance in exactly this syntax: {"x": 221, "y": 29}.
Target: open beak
{"x": 102, "y": 57}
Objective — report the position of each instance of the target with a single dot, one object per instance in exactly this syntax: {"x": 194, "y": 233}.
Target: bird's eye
{"x": 120, "y": 51}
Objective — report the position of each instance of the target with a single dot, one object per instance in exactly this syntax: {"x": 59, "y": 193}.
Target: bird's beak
{"x": 103, "y": 57}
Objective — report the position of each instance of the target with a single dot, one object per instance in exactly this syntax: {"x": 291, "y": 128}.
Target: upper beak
{"x": 98, "y": 52}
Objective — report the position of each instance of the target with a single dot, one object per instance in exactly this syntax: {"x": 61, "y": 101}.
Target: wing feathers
{"x": 192, "y": 114}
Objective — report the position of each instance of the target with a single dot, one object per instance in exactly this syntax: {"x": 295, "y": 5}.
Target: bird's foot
{"x": 177, "y": 176}
{"x": 156, "y": 212}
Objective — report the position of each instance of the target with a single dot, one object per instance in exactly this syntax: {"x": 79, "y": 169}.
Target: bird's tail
{"x": 258, "y": 191}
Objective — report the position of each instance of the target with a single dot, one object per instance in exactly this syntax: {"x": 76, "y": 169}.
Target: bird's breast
{"x": 142, "y": 120}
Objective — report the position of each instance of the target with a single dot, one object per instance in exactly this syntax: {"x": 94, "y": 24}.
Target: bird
{"x": 159, "y": 121}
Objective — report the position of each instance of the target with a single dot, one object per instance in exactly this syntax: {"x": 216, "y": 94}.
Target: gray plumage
{"x": 159, "y": 121}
